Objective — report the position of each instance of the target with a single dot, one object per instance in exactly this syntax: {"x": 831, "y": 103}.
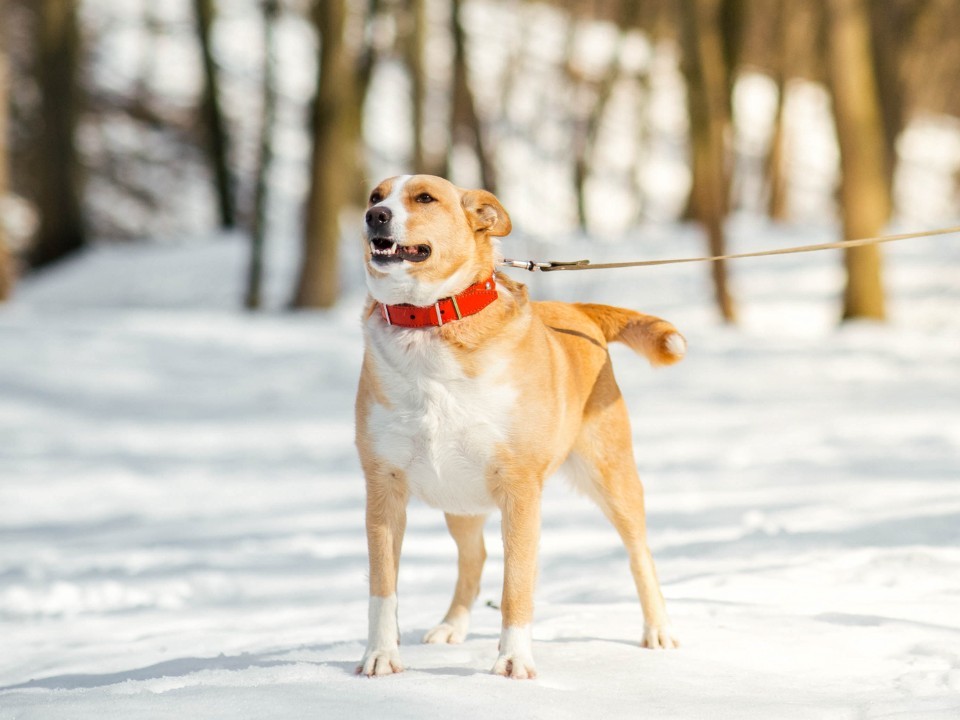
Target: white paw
{"x": 382, "y": 656}
{"x": 516, "y": 654}
{"x": 446, "y": 632}
{"x": 380, "y": 662}
{"x": 659, "y": 637}
{"x": 516, "y": 667}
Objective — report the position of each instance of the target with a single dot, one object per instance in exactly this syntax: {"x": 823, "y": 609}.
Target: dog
{"x": 471, "y": 395}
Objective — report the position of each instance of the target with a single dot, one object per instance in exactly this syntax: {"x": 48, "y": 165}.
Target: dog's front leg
{"x": 386, "y": 520}
{"x": 520, "y": 507}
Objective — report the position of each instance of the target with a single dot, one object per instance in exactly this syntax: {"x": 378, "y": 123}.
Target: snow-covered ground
{"x": 181, "y": 508}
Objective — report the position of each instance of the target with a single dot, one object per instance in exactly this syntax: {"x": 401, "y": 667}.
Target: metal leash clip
{"x": 534, "y": 266}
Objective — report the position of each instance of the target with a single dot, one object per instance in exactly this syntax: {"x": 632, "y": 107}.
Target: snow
{"x": 181, "y": 508}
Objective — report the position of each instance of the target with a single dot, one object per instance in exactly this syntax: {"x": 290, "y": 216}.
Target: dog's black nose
{"x": 378, "y": 217}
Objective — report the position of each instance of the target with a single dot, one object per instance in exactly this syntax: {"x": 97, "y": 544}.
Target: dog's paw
{"x": 515, "y": 666}
{"x": 452, "y": 632}
{"x": 516, "y": 654}
{"x": 659, "y": 637}
{"x": 380, "y": 662}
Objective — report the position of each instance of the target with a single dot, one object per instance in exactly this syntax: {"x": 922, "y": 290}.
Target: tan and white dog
{"x": 470, "y": 396}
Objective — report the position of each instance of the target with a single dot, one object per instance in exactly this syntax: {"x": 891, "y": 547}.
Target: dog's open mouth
{"x": 385, "y": 250}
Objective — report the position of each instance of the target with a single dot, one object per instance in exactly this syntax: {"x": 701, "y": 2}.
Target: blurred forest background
{"x": 126, "y": 120}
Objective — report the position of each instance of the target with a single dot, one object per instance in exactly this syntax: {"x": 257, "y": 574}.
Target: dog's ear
{"x": 485, "y": 212}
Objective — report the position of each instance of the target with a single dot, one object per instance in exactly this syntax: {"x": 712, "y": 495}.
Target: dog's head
{"x": 427, "y": 239}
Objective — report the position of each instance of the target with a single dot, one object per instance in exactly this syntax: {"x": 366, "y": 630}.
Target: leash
{"x": 557, "y": 265}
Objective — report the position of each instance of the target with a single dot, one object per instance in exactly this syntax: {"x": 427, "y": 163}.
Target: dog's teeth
{"x": 374, "y": 250}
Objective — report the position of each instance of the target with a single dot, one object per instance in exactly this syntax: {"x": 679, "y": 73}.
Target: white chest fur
{"x": 442, "y": 427}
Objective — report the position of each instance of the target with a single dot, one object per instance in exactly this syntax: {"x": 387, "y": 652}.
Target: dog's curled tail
{"x": 655, "y": 339}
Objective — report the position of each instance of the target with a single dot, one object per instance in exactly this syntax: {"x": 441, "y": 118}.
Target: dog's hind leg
{"x": 467, "y": 531}
{"x": 602, "y": 466}
{"x": 519, "y": 499}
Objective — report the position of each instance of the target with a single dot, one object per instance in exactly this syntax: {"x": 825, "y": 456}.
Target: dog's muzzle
{"x": 383, "y": 248}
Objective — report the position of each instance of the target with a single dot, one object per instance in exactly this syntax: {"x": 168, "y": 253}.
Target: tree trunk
{"x": 777, "y": 206}
{"x": 334, "y": 156}
{"x": 416, "y": 64}
{"x": 216, "y": 126}
{"x": 465, "y": 123}
{"x": 56, "y": 164}
{"x": 776, "y": 165}
{"x": 146, "y": 62}
{"x": 642, "y": 144}
{"x": 864, "y": 192}
{"x": 587, "y": 134}
{"x": 6, "y": 261}
{"x": 732, "y": 19}
{"x": 585, "y": 140}
{"x": 892, "y": 27}
{"x": 253, "y": 299}
{"x": 708, "y": 102}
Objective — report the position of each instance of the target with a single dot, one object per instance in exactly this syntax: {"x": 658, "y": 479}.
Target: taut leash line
{"x": 557, "y": 265}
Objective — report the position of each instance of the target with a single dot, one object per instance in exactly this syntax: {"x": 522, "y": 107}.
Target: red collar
{"x": 469, "y": 302}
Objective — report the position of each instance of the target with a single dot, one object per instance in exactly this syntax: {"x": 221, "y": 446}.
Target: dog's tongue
{"x": 413, "y": 253}
{"x": 384, "y": 251}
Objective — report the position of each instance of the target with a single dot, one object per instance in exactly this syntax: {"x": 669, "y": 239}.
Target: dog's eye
{"x": 425, "y": 198}
{"x": 375, "y": 197}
